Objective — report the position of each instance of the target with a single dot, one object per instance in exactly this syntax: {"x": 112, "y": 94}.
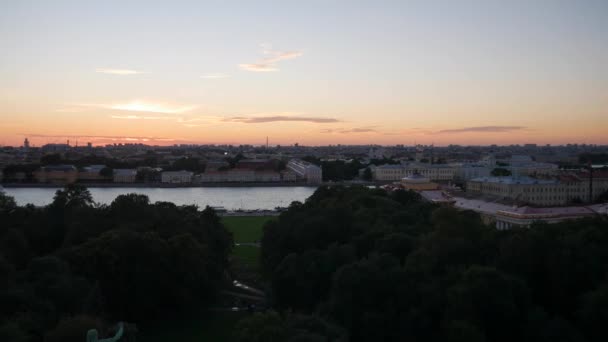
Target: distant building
{"x": 434, "y": 172}
{"x": 520, "y": 165}
{"x": 525, "y": 216}
{"x": 267, "y": 176}
{"x": 560, "y": 190}
{"x": 467, "y": 171}
{"x": 255, "y": 164}
{"x": 310, "y": 172}
{"x": 214, "y": 165}
{"x": 124, "y": 175}
{"x": 177, "y": 177}
{"x": 288, "y": 176}
{"x": 238, "y": 175}
{"x": 60, "y": 174}
{"x": 507, "y": 216}
{"x": 418, "y": 182}
{"x": 55, "y": 148}
{"x": 91, "y": 173}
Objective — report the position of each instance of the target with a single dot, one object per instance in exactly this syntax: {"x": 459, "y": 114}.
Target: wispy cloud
{"x": 68, "y": 110}
{"x": 144, "y": 106}
{"x": 355, "y": 130}
{"x": 138, "y": 117}
{"x": 215, "y": 76}
{"x": 483, "y": 129}
{"x": 122, "y": 72}
{"x": 269, "y": 63}
{"x": 280, "y": 118}
{"x": 112, "y": 138}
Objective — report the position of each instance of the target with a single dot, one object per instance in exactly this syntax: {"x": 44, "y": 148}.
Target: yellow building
{"x": 418, "y": 182}
{"x": 59, "y": 174}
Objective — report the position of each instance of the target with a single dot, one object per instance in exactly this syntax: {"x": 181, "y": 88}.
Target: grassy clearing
{"x": 249, "y": 255}
{"x": 208, "y": 325}
{"x": 246, "y": 228}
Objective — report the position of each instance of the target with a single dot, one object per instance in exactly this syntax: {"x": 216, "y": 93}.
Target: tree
{"x": 367, "y": 174}
{"x": 593, "y": 313}
{"x": 270, "y": 326}
{"x": 134, "y": 272}
{"x": 500, "y": 172}
{"x": 52, "y": 159}
{"x": 474, "y": 298}
{"x": 74, "y": 328}
{"x": 603, "y": 197}
{"x": 7, "y": 203}
{"x": 463, "y": 331}
{"x": 15, "y": 247}
{"x": 106, "y": 172}
{"x": 72, "y": 196}
{"x": 261, "y": 327}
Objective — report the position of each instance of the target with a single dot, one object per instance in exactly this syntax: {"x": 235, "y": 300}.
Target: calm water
{"x": 231, "y": 198}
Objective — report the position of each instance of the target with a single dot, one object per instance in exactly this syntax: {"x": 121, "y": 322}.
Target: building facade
{"x": 434, "y": 172}
{"x": 177, "y": 177}
{"x": 556, "y": 191}
{"x": 305, "y": 170}
{"x": 60, "y": 174}
{"x": 124, "y": 175}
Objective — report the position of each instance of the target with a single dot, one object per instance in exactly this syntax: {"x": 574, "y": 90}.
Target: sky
{"x": 309, "y": 72}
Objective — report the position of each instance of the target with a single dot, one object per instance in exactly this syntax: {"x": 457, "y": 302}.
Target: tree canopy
{"x": 390, "y": 267}
{"x": 75, "y": 262}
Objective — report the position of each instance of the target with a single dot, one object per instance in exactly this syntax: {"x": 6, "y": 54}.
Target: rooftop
{"x": 514, "y": 180}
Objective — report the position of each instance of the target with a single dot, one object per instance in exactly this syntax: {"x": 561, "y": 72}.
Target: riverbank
{"x": 242, "y": 198}
{"x": 164, "y": 185}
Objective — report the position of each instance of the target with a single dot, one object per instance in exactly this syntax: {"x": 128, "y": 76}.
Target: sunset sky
{"x": 312, "y": 72}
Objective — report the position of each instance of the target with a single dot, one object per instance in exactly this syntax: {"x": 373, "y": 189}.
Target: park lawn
{"x": 213, "y": 325}
{"x": 246, "y": 228}
{"x": 249, "y": 255}
{"x": 205, "y": 326}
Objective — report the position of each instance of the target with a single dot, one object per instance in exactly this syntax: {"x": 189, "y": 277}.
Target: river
{"x": 231, "y": 198}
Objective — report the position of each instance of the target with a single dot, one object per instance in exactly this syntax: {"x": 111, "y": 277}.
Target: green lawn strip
{"x": 205, "y": 326}
{"x": 249, "y": 255}
{"x": 246, "y": 228}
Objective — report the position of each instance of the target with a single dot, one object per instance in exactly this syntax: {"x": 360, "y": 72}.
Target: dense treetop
{"x": 131, "y": 261}
{"x": 389, "y": 267}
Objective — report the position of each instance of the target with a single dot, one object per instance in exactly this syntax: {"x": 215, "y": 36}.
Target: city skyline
{"x": 319, "y": 73}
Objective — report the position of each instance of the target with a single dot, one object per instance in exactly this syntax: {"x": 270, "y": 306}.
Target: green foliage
{"x": 106, "y": 172}
{"x": 74, "y": 329}
{"x": 270, "y": 326}
{"x": 500, "y": 172}
{"x": 188, "y": 164}
{"x": 337, "y": 170}
{"x": 367, "y": 174}
{"x": 246, "y": 228}
{"x": 216, "y": 326}
{"x": 603, "y": 197}
{"x": 389, "y": 267}
{"x": 72, "y": 196}
{"x": 11, "y": 331}
{"x": 129, "y": 261}
{"x": 7, "y": 203}
{"x": 52, "y": 159}
{"x": 593, "y": 158}
{"x": 248, "y": 255}
{"x": 262, "y": 327}
{"x": 340, "y": 170}
{"x": 232, "y": 161}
